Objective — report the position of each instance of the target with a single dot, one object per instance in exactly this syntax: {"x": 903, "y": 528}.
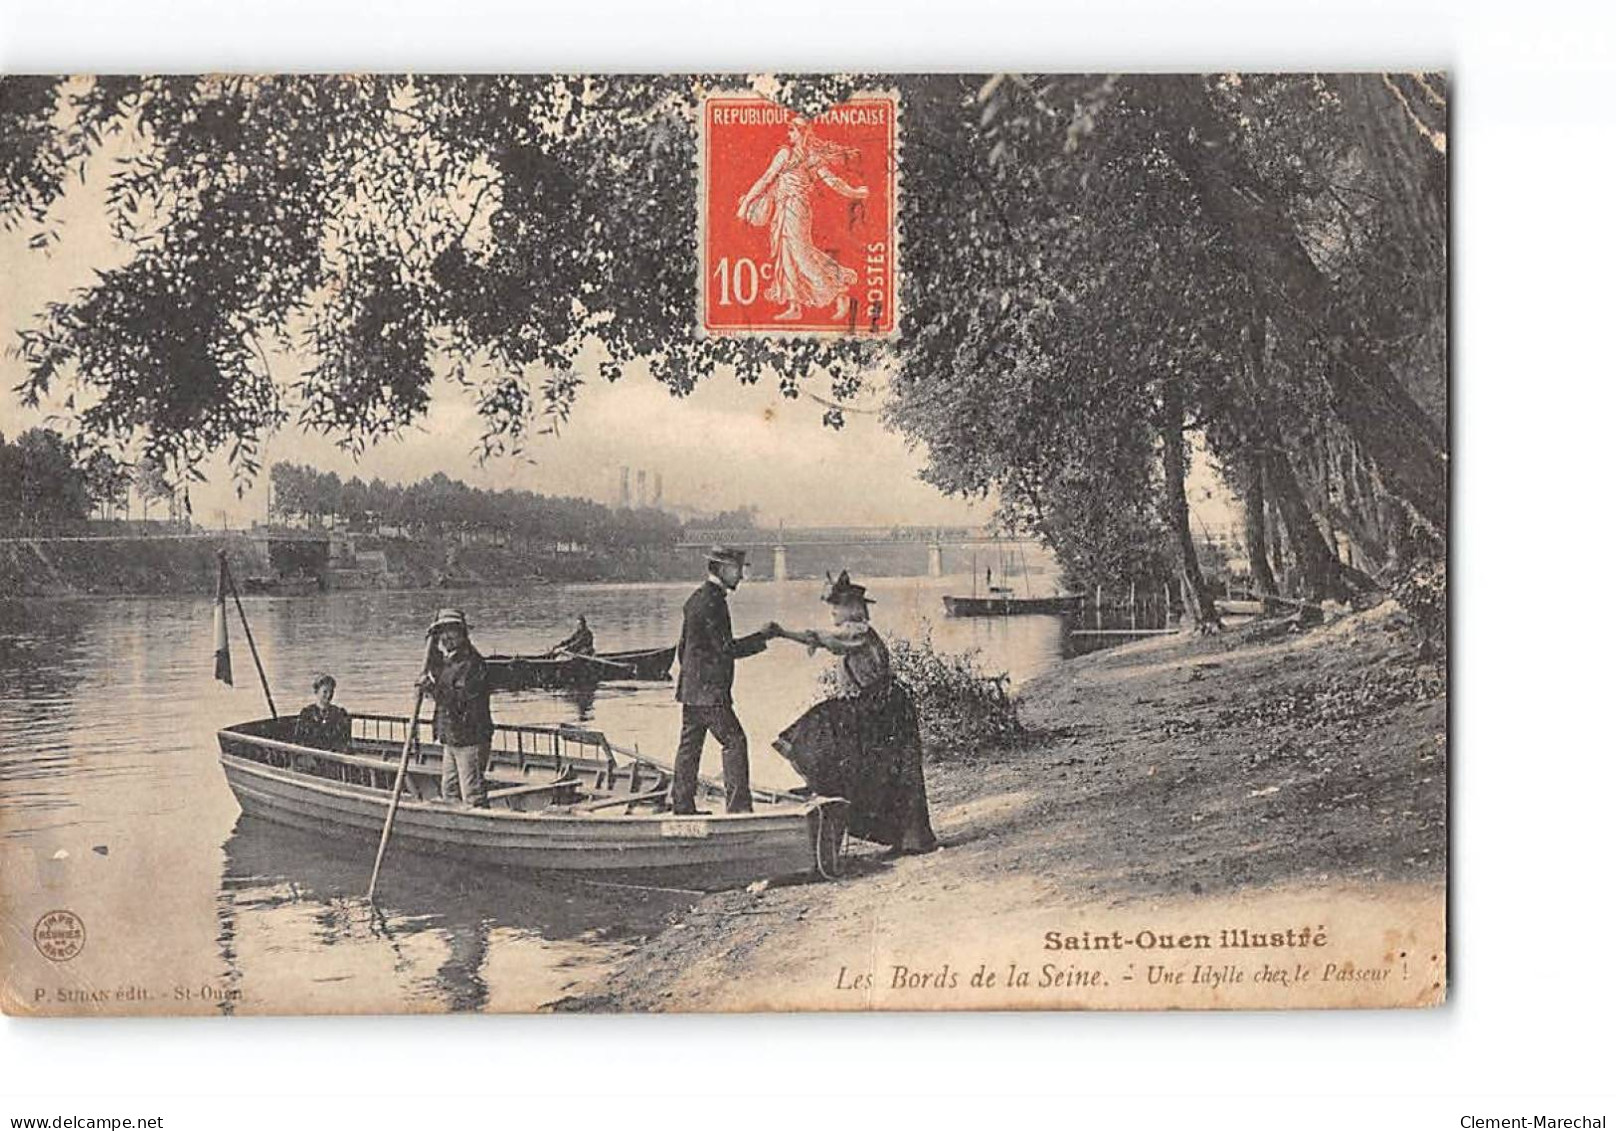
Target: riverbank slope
{"x": 1179, "y": 783}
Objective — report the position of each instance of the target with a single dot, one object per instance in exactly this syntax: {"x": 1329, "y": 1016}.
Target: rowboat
{"x": 1001, "y": 605}
{"x": 515, "y": 673}
{"x": 562, "y": 799}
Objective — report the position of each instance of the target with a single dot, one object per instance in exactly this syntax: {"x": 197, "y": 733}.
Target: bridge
{"x": 784, "y": 538}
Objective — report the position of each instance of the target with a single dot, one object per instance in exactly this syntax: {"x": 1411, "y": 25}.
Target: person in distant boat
{"x": 457, "y": 679}
{"x": 708, "y": 650}
{"x": 863, "y": 743}
{"x": 581, "y": 642}
{"x": 322, "y": 724}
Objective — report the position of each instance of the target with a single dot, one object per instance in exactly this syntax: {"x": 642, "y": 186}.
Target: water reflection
{"x": 42, "y": 661}
{"x": 583, "y": 702}
{"x": 428, "y": 942}
{"x": 42, "y": 649}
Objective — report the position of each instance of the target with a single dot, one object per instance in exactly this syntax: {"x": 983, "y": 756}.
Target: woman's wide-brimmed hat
{"x": 842, "y": 590}
{"x": 447, "y": 617}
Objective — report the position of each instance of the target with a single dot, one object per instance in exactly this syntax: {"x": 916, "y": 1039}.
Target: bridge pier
{"x": 934, "y": 560}
{"x": 779, "y": 563}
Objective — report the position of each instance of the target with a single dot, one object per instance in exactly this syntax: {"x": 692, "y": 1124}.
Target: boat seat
{"x": 531, "y": 788}
{"x": 630, "y": 800}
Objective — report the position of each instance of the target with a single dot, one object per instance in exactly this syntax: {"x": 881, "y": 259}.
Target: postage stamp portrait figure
{"x": 798, "y": 220}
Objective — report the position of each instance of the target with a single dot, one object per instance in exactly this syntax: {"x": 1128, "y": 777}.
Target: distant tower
{"x": 657, "y": 502}
{"x": 639, "y": 482}
{"x": 622, "y": 493}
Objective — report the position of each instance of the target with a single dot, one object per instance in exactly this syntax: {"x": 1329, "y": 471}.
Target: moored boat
{"x": 562, "y": 799}
{"x": 1003, "y": 605}
{"x": 515, "y": 673}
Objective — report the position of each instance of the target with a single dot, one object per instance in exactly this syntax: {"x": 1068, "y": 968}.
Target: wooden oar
{"x": 410, "y": 741}
{"x": 631, "y": 799}
{"x": 594, "y": 659}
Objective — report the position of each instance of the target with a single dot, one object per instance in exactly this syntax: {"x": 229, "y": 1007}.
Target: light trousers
{"x": 463, "y": 773}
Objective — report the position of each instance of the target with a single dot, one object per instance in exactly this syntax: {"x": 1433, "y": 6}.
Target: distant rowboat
{"x": 562, "y": 799}
{"x": 1002, "y": 605}
{"x": 515, "y": 673}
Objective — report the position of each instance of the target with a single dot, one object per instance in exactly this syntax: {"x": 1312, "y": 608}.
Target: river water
{"x": 112, "y": 803}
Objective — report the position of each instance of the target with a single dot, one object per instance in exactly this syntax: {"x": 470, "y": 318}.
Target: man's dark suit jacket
{"x": 708, "y": 649}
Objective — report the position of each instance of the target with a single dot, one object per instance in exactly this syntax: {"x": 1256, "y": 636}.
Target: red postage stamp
{"x": 799, "y": 218}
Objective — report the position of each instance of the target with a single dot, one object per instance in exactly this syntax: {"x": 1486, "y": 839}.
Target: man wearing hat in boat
{"x": 457, "y": 679}
{"x": 581, "y": 642}
{"x": 708, "y": 650}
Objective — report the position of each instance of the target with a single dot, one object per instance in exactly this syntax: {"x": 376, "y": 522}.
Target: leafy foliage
{"x": 1151, "y": 257}
{"x": 439, "y": 505}
{"x": 42, "y": 489}
{"x": 960, "y": 706}
{"x": 389, "y": 229}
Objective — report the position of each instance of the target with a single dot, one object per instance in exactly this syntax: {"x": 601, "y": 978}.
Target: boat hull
{"x": 1011, "y": 606}
{"x": 786, "y": 836}
{"x": 516, "y": 673}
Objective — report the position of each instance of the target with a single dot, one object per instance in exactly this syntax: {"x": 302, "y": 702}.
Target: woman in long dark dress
{"x": 863, "y": 743}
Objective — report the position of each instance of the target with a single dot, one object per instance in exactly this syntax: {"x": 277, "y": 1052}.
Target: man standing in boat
{"x": 708, "y": 650}
{"x": 457, "y": 679}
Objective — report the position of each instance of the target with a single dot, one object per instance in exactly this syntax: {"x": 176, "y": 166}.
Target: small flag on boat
{"x": 221, "y": 631}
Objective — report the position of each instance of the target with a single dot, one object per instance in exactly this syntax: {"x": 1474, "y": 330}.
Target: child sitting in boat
{"x": 322, "y": 724}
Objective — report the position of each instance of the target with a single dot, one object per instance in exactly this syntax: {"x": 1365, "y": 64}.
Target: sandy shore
{"x": 1184, "y": 809}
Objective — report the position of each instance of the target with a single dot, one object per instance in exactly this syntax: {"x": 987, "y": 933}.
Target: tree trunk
{"x": 1199, "y": 595}
{"x": 1262, "y": 574}
{"x": 1389, "y": 427}
{"x": 1316, "y": 562}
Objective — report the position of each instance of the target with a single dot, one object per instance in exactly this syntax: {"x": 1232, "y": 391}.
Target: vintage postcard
{"x": 523, "y": 543}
